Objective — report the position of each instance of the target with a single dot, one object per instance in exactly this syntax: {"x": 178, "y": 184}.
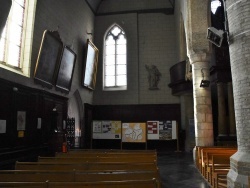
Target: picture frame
{"x": 90, "y": 68}
{"x": 48, "y": 59}
{"x": 66, "y": 70}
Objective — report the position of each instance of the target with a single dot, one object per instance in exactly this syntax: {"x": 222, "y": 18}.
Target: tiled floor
{"x": 177, "y": 170}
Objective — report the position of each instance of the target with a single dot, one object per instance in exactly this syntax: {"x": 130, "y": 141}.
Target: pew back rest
{"x": 150, "y": 158}
{"x": 84, "y": 166}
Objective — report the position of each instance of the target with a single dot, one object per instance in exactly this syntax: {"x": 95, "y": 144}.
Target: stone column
{"x": 239, "y": 47}
{"x": 222, "y": 128}
{"x": 232, "y": 126}
{"x": 202, "y": 101}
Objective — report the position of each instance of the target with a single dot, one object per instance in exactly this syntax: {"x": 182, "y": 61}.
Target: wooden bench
{"x": 151, "y": 183}
{"x": 84, "y": 154}
{"x": 204, "y": 156}
{"x": 100, "y": 159}
{"x": 207, "y": 160}
{"x": 111, "y": 151}
{"x": 84, "y": 166}
{"x": 36, "y": 175}
{"x": 199, "y": 149}
{"x": 72, "y": 176}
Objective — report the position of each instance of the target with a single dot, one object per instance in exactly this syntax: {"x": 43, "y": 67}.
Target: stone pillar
{"x": 239, "y": 47}
{"x": 232, "y": 126}
{"x": 222, "y": 128}
{"x": 202, "y": 102}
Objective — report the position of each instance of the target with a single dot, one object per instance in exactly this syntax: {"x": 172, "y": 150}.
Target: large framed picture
{"x": 48, "y": 59}
{"x": 90, "y": 68}
{"x": 66, "y": 70}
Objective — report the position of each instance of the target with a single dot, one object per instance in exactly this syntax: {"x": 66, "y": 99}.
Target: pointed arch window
{"x": 17, "y": 36}
{"x": 115, "y": 59}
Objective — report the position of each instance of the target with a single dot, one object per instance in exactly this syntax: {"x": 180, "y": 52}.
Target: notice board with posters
{"x": 106, "y": 130}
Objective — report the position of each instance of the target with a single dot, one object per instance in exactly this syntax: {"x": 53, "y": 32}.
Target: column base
{"x": 240, "y": 170}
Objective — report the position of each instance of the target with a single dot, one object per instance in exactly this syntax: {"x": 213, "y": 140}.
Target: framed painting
{"x": 66, "y": 70}
{"x": 48, "y": 59}
{"x": 90, "y": 68}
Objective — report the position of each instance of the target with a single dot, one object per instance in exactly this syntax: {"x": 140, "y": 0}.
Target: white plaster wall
{"x": 157, "y": 46}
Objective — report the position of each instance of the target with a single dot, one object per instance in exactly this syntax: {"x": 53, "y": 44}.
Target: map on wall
{"x": 106, "y": 129}
{"x": 167, "y": 130}
{"x": 134, "y": 132}
{"x": 153, "y": 130}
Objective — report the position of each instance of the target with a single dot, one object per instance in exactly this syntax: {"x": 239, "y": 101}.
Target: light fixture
{"x": 215, "y": 36}
{"x": 204, "y": 83}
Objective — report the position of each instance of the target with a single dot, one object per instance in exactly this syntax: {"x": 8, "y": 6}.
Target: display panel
{"x": 106, "y": 129}
{"x": 134, "y": 132}
{"x": 167, "y": 130}
{"x": 153, "y": 130}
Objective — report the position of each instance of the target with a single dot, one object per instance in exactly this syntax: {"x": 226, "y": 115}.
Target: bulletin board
{"x": 134, "y": 132}
{"x": 153, "y": 130}
{"x": 167, "y": 130}
{"x": 106, "y": 130}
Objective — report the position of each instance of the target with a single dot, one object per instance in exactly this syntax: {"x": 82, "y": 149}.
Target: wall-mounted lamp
{"x": 215, "y": 36}
{"x": 204, "y": 83}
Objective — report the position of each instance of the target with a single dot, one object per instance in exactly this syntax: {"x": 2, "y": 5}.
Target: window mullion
{"x": 115, "y": 62}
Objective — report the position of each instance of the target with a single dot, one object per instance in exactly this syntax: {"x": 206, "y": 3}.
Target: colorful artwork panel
{"x": 134, "y": 132}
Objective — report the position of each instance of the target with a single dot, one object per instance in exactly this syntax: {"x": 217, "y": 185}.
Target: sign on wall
{"x": 153, "y": 130}
{"x": 106, "y": 129}
{"x": 167, "y": 130}
{"x": 134, "y": 132}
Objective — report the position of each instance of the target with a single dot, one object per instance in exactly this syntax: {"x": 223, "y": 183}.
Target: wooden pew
{"x": 152, "y": 183}
{"x": 112, "y": 154}
{"x": 219, "y": 169}
{"x": 149, "y": 158}
{"x": 199, "y": 149}
{"x": 24, "y": 184}
{"x": 111, "y": 151}
{"x": 36, "y": 175}
{"x": 207, "y": 160}
{"x": 84, "y": 166}
{"x": 204, "y": 156}
{"x": 72, "y": 176}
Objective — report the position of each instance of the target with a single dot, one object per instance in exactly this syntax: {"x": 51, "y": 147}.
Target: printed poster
{"x": 134, "y": 132}
{"x": 106, "y": 130}
{"x": 21, "y": 120}
{"x": 153, "y": 130}
{"x": 2, "y": 126}
{"x": 167, "y": 130}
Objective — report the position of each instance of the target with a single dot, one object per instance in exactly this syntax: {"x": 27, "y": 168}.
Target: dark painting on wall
{"x": 66, "y": 70}
{"x": 48, "y": 59}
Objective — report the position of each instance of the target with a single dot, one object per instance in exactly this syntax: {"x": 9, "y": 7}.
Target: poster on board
{"x": 167, "y": 130}
{"x": 21, "y": 120}
{"x": 106, "y": 129}
{"x": 2, "y": 126}
{"x": 153, "y": 130}
{"x": 134, "y": 132}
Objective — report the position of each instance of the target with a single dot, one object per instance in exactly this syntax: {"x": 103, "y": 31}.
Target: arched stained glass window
{"x": 115, "y": 59}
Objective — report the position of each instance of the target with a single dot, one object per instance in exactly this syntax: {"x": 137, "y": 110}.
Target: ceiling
{"x": 94, "y": 4}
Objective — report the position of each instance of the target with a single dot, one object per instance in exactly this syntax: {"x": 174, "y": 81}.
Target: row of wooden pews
{"x": 214, "y": 164}
{"x": 87, "y": 168}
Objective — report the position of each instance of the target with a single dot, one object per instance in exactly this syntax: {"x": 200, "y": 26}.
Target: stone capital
{"x": 199, "y": 57}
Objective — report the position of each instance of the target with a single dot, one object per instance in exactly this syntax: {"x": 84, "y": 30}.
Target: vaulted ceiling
{"x": 94, "y": 4}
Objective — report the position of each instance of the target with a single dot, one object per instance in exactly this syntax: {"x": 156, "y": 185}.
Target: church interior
{"x": 145, "y": 93}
